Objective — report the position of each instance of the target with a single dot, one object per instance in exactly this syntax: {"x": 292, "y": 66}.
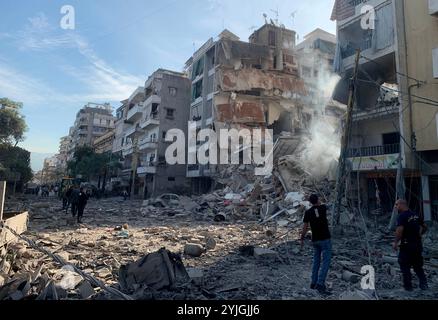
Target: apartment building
{"x": 92, "y": 121}
{"x": 237, "y": 84}
{"x": 104, "y": 144}
{"x": 392, "y": 120}
{"x": 141, "y": 126}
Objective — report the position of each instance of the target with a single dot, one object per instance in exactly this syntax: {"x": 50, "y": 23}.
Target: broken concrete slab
{"x": 193, "y": 249}
{"x": 264, "y": 253}
{"x": 350, "y": 277}
{"x": 196, "y": 275}
{"x": 85, "y": 290}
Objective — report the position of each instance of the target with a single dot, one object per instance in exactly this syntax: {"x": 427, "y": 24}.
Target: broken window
{"x": 197, "y": 90}
{"x": 154, "y": 110}
{"x": 198, "y": 68}
{"x": 173, "y": 91}
{"x": 170, "y": 113}
{"x": 196, "y": 114}
{"x": 271, "y": 38}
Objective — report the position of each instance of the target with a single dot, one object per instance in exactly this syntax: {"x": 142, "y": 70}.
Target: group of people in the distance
{"x": 77, "y": 198}
{"x": 408, "y": 242}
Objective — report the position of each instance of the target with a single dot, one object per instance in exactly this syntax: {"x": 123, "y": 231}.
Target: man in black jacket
{"x": 82, "y": 202}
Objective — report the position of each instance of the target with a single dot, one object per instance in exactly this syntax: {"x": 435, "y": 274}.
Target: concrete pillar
{"x": 427, "y": 209}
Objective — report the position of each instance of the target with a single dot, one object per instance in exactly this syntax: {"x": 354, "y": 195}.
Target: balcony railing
{"x": 350, "y": 48}
{"x": 373, "y": 151}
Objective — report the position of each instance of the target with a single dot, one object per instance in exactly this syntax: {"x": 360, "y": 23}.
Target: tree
{"x": 12, "y": 123}
{"x": 15, "y": 164}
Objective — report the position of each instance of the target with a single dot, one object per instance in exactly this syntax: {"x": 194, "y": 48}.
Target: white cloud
{"x": 102, "y": 82}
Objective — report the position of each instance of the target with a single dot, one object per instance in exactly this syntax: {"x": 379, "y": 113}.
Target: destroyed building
{"x": 142, "y": 123}
{"x": 237, "y": 84}
{"x": 392, "y": 120}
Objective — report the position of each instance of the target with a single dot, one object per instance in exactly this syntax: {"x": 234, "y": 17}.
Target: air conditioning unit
{"x": 433, "y": 7}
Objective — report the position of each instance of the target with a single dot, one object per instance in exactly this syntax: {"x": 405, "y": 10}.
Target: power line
{"x": 397, "y": 72}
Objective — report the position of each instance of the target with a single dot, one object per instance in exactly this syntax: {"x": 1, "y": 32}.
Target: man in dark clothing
{"x": 321, "y": 239}
{"x": 82, "y": 202}
{"x": 66, "y": 198}
{"x": 74, "y": 199}
{"x": 410, "y": 228}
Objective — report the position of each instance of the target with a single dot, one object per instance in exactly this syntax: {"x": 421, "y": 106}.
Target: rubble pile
{"x": 252, "y": 252}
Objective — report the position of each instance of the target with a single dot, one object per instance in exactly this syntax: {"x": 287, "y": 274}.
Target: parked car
{"x": 165, "y": 200}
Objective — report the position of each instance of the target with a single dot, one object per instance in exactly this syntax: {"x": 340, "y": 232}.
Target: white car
{"x": 165, "y": 200}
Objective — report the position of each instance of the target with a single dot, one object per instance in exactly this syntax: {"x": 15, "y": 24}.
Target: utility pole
{"x": 340, "y": 185}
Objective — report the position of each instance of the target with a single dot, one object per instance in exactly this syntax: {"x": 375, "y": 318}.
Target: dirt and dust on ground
{"x": 237, "y": 243}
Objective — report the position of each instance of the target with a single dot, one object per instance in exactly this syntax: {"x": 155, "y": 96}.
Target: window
{"x": 271, "y": 37}
{"x": 173, "y": 91}
{"x": 170, "y": 178}
{"x": 164, "y": 134}
{"x": 198, "y": 68}
{"x": 306, "y": 72}
{"x": 170, "y": 113}
{"x": 197, "y": 90}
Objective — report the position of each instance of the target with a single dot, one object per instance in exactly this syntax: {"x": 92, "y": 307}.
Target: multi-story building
{"x": 238, "y": 84}
{"x": 62, "y": 156}
{"x": 396, "y": 97}
{"x": 92, "y": 121}
{"x": 141, "y": 126}
{"x": 104, "y": 144}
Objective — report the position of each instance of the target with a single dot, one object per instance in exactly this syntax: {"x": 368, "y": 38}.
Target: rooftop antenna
{"x": 266, "y": 18}
{"x": 277, "y": 14}
{"x": 292, "y": 15}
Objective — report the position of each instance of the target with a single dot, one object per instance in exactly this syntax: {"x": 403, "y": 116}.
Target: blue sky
{"x": 116, "y": 44}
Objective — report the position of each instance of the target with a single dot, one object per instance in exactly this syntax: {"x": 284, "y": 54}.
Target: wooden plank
{"x": 2, "y": 197}
{"x": 18, "y": 223}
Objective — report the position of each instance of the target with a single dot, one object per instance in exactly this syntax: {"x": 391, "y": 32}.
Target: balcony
{"x": 150, "y": 121}
{"x": 150, "y": 144}
{"x": 377, "y": 112}
{"x": 135, "y": 113}
{"x": 152, "y": 99}
{"x": 133, "y": 130}
{"x": 149, "y": 168}
{"x": 349, "y": 48}
{"x": 374, "y": 151}
{"x": 127, "y": 149}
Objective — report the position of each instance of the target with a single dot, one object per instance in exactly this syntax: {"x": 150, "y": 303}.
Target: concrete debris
{"x": 234, "y": 257}
{"x": 193, "y": 249}
{"x": 159, "y": 270}
{"x": 264, "y": 253}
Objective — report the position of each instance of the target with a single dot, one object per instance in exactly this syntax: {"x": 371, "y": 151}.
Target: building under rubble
{"x": 255, "y": 84}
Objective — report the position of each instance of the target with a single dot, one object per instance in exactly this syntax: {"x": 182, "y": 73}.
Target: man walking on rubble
{"x": 74, "y": 199}
{"x": 409, "y": 230}
{"x": 321, "y": 239}
{"x": 82, "y": 202}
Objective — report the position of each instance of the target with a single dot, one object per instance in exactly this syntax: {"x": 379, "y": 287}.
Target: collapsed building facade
{"x": 392, "y": 121}
{"x": 239, "y": 85}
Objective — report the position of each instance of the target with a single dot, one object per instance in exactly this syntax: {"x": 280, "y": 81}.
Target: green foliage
{"x": 90, "y": 164}
{"x": 12, "y": 124}
{"x": 14, "y": 163}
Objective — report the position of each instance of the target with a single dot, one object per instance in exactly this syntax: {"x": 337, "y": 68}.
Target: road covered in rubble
{"x": 211, "y": 253}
